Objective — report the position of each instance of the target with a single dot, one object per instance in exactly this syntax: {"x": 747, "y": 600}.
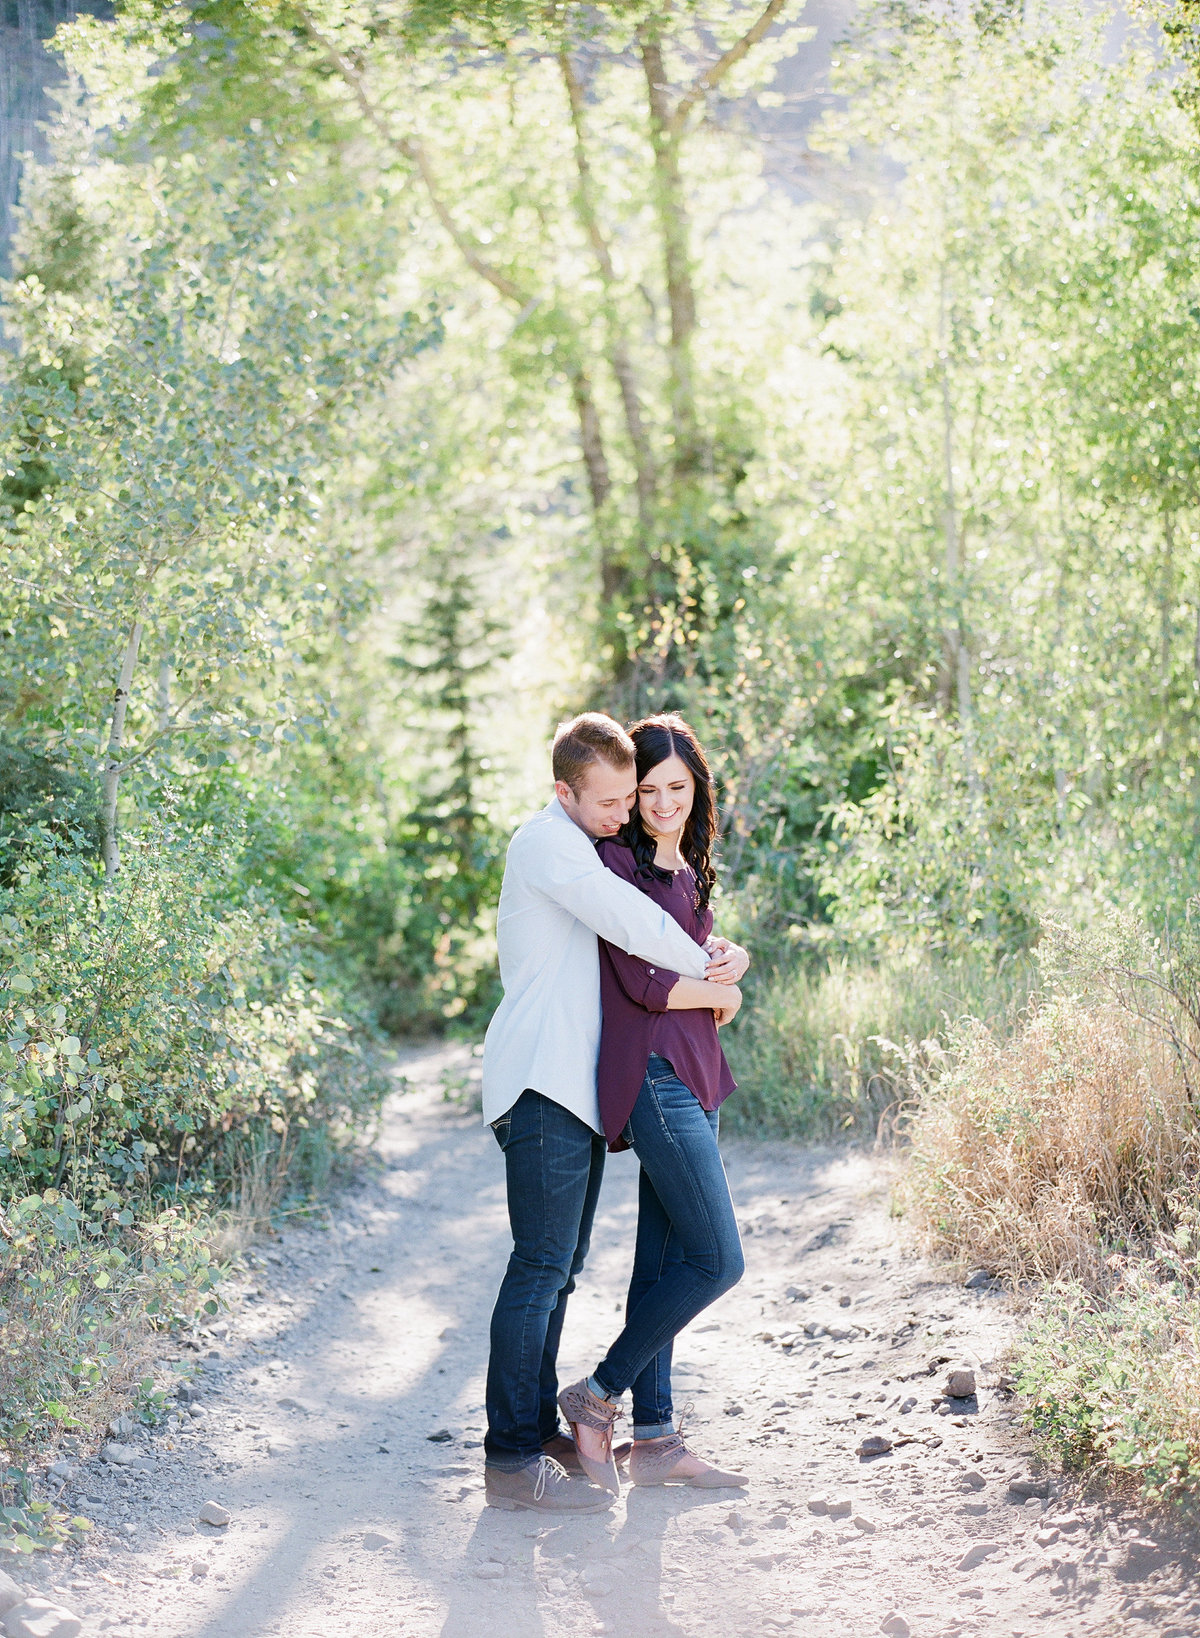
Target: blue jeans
{"x": 688, "y": 1248}
{"x": 554, "y": 1164}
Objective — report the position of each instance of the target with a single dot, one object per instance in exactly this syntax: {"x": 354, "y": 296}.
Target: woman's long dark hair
{"x": 654, "y": 740}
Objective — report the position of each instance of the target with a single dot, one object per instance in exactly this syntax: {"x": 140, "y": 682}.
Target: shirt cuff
{"x": 658, "y": 985}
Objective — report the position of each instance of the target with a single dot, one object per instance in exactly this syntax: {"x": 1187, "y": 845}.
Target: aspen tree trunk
{"x": 591, "y": 437}
{"x": 674, "y": 228}
{"x": 162, "y": 699}
{"x": 619, "y": 357}
{"x": 958, "y": 647}
{"x": 1166, "y": 605}
{"x": 958, "y": 650}
{"x": 109, "y": 846}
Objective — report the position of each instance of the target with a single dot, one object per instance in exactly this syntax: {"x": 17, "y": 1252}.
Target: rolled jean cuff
{"x": 652, "y": 1430}
{"x": 510, "y": 1464}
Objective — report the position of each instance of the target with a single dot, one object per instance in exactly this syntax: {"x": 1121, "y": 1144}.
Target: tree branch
{"x": 590, "y": 431}
{"x": 671, "y": 207}
{"x": 54, "y": 597}
{"x": 415, "y": 153}
{"x": 712, "y": 77}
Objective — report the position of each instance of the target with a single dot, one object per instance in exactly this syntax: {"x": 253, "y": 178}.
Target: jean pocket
{"x": 659, "y": 1069}
{"x": 502, "y": 1129}
{"x": 670, "y": 1092}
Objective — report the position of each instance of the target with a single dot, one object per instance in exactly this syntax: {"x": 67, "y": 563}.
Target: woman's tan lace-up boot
{"x": 591, "y": 1419}
{"x": 668, "y": 1460}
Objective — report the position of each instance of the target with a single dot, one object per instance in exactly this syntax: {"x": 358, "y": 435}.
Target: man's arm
{"x": 573, "y": 876}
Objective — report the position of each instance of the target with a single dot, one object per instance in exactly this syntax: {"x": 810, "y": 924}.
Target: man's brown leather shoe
{"x": 544, "y": 1487}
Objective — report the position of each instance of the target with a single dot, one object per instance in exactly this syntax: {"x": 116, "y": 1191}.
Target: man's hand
{"x": 729, "y": 961}
{"x": 727, "y": 1014}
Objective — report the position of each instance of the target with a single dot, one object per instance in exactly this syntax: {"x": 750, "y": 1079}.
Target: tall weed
{"x": 833, "y": 1050}
{"x": 1111, "y": 1382}
{"x": 1068, "y": 1153}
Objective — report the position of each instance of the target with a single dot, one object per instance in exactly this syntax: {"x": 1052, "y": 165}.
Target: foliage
{"x": 75, "y": 1290}
{"x": 558, "y": 244}
{"x": 1110, "y": 1383}
{"x": 179, "y": 482}
{"x": 144, "y": 1024}
{"x": 39, "y": 791}
{"x": 996, "y": 482}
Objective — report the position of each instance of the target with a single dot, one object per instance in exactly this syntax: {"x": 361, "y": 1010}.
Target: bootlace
{"x": 547, "y": 1470}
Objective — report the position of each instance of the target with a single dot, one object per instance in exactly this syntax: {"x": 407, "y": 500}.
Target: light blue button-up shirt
{"x": 557, "y": 896}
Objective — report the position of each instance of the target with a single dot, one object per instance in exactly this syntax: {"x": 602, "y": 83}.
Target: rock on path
{"x": 336, "y": 1423}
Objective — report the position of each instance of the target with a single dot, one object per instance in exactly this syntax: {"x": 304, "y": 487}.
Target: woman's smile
{"x": 666, "y": 794}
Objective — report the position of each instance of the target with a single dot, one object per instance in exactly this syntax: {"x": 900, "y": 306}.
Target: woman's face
{"x": 665, "y": 797}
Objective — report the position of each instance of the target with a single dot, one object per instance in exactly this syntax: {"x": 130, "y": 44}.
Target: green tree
{"x": 185, "y": 463}
{"x": 589, "y": 245}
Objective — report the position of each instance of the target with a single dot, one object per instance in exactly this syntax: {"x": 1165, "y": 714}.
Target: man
{"x": 539, "y": 1087}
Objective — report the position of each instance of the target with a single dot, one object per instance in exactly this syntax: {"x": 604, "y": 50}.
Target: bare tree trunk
{"x": 109, "y": 847}
{"x": 594, "y": 459}
{"x": 620, "y": 360}
{"x": 670, "y": 204}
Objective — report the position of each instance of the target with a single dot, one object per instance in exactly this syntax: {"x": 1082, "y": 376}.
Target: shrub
{"x": 1112, "y": 1382}
{"x": 168, "y": 1046}
{"x": 75, "y": 1291}
{"x": 143, "y": 1025}
{"x": 38, "y": 792}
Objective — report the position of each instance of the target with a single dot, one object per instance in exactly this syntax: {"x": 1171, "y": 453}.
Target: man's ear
{"x": 564, "y": 792}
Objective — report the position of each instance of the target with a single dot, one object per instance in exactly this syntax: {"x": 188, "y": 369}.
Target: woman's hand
{"x": 727, "y": 1013}
{"x": 728, "y": 961}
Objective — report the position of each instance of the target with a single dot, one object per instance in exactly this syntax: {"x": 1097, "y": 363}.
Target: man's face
{"x": 604, "y": 800}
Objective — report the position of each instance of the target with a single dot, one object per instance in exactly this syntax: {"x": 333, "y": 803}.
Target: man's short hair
{"x": 593, "y": 737}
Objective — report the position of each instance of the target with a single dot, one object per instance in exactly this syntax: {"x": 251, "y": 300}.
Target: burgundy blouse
{"x": 636, "y": 1021}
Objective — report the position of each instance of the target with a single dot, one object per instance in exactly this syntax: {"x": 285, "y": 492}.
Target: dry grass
{"x": 1036, "y": 1155}
{"x": 257, "y": 1183}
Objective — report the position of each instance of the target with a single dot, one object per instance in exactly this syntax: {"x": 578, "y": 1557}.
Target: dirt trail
{"x": 341, "y": 1419}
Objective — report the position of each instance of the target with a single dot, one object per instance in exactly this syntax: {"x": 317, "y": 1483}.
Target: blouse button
{"x": 651, "y": 971}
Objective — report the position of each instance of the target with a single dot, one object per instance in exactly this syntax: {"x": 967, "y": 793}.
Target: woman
{"x": 662, "y": 1076}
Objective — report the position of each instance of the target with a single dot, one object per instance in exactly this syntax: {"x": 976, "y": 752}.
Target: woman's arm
{"x": 688, "y": 994}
